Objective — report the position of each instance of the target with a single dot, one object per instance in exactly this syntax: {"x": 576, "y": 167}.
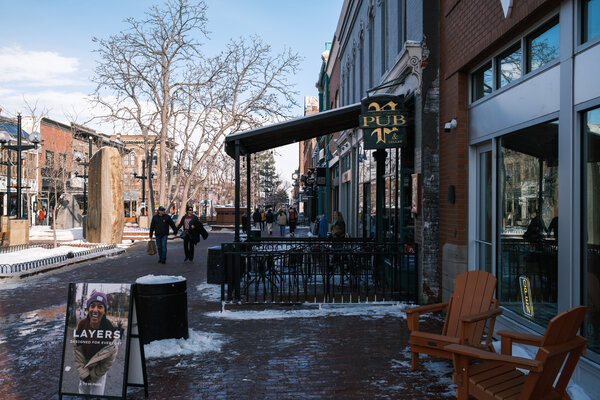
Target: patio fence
{"x": 297, "y": 270}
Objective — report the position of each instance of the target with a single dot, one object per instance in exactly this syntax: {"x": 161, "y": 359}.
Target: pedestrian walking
{"x": 191, "y": 232}
{"x": 95, "y": 345}
{"x": 281, "y": 221}
{"x": 245, "y": 223}
{"x": 160, "y": 225}
{"x": 270, "y": 218}
{"x": 292, "y": 220}
{"x": 256, "y": 218}
{"x": 263, "y": 219}
{"x": 338, "y": 228}
{"x": 41, "y": 216}
{"x": 323, "y": 227}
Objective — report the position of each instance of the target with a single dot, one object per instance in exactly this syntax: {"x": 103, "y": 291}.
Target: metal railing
{"x": 6, "y": 269}
{"x": 320, "y": 271}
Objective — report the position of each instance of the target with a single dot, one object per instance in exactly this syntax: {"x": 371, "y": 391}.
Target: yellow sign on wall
{"x": 525, "y": 286}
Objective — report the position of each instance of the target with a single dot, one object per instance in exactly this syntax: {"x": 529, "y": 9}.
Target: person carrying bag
{"x": 192, "y": 229}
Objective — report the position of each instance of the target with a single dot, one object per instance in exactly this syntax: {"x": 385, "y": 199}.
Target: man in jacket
{"x": 270, "y": 218}
{"x": 160, "y": 225}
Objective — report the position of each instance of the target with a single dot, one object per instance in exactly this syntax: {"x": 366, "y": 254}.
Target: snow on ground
{"x": 37, "y": 253}
{"x": 197, "y": 343}
{"x": 209, "y": 291}
{"x": 367, "y": 310}
{"x": 43, "y": 232}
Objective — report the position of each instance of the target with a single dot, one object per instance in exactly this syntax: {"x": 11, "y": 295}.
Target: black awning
{"x": 295, "y": 130}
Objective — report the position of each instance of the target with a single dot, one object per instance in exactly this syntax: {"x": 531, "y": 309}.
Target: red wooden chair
{"x": 497, "y": 376}
{"x": 467, "y": 311}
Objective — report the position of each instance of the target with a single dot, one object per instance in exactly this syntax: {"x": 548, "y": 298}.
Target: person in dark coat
{"x": 160, "y": 225}
{"x": 191, "y": 227}
{"x": 270, "y": 217}
{"x": 256, "y": 218}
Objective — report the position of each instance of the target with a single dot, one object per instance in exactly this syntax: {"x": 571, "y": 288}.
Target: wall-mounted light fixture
{"x": 452, "y": 124}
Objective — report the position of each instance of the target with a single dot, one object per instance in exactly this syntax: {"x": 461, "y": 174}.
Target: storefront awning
{"x": 295, "y": 130}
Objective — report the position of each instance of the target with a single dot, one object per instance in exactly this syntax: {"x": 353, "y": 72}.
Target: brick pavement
{"x": 329, "y": 357}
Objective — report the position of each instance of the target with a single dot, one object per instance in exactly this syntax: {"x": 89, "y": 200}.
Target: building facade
{"x": 384, "y": 47}
{"x": 520, "y": 111}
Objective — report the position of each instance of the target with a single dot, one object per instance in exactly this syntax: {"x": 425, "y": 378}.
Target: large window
{"x": 481, "y": 82}
{"x": 508, "y": 66}
{"x": 590, "y": 19}
{"x": 591, "y": 227}
{"x": 542, "y": 46}
{"x": 528, "y": 220}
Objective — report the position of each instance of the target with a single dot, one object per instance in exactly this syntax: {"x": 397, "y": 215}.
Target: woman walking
{"x": 191, "y": 228}
{"x": 281, "y": 221}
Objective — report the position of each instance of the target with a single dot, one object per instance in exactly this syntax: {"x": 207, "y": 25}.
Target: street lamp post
{"x": 143, "y": 177}
{"x": 79, "y": 158}
{"x": 5, "y": 138}
{"x": 34, "y": 138}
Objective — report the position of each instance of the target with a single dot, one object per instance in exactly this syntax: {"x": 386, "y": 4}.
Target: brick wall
{"x": 471, "y": 31}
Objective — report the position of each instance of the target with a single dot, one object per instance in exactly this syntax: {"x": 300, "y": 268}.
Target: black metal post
{"x": 237, "y": 192}
{"x": 143, "y": 177}
{"x": 85, "y": 178}
{"x": 380, "y": 156}
{"x": 19, "y": 211}
{"x": 9, "y": 178}
{"x": 248, "y": 182}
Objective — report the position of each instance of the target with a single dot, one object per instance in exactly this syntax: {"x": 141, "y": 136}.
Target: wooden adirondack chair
{"x": 497, "y": 377}
{"x": 467, "y": 311}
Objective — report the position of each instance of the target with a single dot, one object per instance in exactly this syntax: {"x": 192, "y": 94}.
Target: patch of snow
{"x": 158, "y": 279}
{"x": 37, "y": 253}
{"x": 209, "y": 291}
{"x": 370, "y": 310}
{"x": 197, "y": 343}
{"x": 43, "y": 232}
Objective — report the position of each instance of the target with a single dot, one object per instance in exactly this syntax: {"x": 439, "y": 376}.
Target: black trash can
{"x": 215, "y": 267}
{"x": 162, "y": 308}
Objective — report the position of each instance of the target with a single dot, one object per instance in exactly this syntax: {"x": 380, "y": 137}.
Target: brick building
{"x": 519, "y": 125}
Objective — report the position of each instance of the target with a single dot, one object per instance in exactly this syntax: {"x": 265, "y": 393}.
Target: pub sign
{"x": 382, "y": 120}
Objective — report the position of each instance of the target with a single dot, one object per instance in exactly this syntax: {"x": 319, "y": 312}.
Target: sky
{"x": 47, "y": 54}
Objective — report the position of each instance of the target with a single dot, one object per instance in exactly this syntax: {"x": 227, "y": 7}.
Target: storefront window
{"x": 528, "y": 220}
{"x": 542, "y": 46}
{"x": 481, "y": 83}
{"x": 591, "y": 228}
{"x": 591, "y": 19}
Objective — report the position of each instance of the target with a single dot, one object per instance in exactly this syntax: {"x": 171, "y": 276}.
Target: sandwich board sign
{"x": 102, "y": 347}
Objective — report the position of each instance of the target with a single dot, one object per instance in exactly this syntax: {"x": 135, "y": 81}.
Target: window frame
{"x": 536, "y": 33}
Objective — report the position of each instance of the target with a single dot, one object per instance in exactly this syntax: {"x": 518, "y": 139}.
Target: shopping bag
{"x": 151, "y": 248}
{"x": 182, "y": 234}
{"x": 203, "y": 232}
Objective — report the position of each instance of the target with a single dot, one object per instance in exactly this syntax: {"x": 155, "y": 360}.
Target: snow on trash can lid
{"x": 159, "y": 279}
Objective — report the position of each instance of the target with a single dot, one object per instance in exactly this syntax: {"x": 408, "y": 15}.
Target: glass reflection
{"x": 591, "y": 228}
{"x": 528, "y": 195}
{"x": 542, "y": 47}
{"x": 591, "y": 19}
{"x": 509, "y": 66}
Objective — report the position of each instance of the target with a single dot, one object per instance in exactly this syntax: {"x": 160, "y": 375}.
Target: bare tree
{"x": 161, "y": 82}
{"x": 142, "y": 68}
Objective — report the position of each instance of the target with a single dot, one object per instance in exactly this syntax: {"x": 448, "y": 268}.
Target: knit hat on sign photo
{"x": 97, "y": 296}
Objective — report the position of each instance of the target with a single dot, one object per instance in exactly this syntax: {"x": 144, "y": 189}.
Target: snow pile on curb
{"x": 197, "y": 343}
{"x": 37, "y": 253}
{"x": 158, "y": 279}
{"x": 373, "y": 311}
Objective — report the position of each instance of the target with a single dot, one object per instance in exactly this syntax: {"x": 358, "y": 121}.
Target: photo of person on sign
{"x": 95, "y": 345}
